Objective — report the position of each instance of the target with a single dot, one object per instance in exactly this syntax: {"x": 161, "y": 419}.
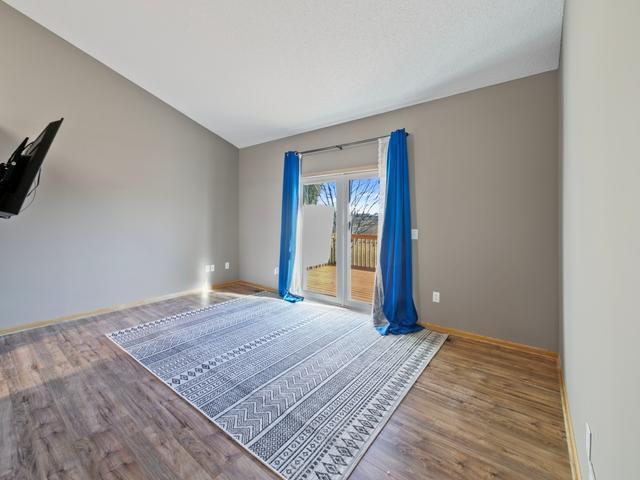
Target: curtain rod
{"x": 342, "y": 145}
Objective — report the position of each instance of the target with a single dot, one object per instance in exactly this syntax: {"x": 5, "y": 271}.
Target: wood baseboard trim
{"x": 244, "y": 283}
{"x": 491, "y": 340}
{"x": 92, "y": 313}
{"x": 568, "y": 427}
{"x": 431, "y": 326}
{"x": 231, "y": 283}
{"x": 257, "y": 285}
{"x": 115, "y": 308}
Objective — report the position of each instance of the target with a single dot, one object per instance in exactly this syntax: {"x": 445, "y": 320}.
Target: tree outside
{"x": 364, "y": 202}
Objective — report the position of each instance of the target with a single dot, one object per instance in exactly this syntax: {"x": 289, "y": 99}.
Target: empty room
{"x": 319, "y": 240}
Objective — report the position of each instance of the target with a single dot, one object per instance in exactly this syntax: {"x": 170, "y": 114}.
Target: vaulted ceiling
{"x": 257, "y": 70}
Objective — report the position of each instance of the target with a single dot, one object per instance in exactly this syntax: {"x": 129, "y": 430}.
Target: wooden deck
{"x": 323, "y": 280}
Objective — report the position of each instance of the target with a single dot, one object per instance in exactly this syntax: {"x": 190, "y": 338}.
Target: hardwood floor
{"x": 72, "y": 405}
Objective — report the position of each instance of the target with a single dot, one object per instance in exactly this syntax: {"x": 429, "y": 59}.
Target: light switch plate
{"x": 213, "y": 268}
{"x": 414, "y": 234}
{"x": 226, "y": 265}
{"x": 207, "y": 268}
{"x": 436, "y": 297}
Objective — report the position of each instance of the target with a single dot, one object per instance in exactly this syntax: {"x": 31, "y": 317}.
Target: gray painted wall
{"x": 601, "y": 231}
{"x": 484, "y": 166}
{"x": 135, "y": 197}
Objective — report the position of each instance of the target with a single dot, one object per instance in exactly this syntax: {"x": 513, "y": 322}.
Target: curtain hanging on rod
{"x": 288, "y": 284}
{"x": 393, "y": 309}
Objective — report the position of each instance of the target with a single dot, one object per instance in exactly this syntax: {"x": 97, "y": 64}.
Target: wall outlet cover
{"x": 226, "y": 265}
{"x": 207, "y": 268}
{"x": 213, "y": 268}
{"x": 414, "y": 234}
{"x": 436, "y": 297}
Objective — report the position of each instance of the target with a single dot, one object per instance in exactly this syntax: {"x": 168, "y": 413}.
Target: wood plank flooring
{"x": 323, "y": 280}
{"x": 72, "y": 405}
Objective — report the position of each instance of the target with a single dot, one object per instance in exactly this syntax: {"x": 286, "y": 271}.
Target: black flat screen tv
{"x": 18, "y": 174}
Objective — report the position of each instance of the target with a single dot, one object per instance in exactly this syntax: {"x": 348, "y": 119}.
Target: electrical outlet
{"x": 207, "y": 268}
{"x": 226, "y": 265}
{"x": 275, "y": 271}
{"x": 436, "y": 297}
{"x": 213, "y": 268}
{"x": 587, "y": 440}
{"x": 414, "y": 234}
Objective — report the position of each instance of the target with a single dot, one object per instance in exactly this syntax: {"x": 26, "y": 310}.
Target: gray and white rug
{"x": 303, "y": 387}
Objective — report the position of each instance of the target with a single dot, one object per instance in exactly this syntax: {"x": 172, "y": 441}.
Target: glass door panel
{"x": 319, "y": 224}
{"x": 364, "y": 203}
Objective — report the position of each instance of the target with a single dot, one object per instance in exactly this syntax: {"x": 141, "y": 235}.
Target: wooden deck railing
{"x": 364, "y": 252}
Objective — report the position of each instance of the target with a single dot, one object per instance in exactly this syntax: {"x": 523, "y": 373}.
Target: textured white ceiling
{"x": 257, "y": 70}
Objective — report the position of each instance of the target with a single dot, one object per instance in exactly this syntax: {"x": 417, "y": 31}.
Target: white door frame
{"x": 343, "y": 237}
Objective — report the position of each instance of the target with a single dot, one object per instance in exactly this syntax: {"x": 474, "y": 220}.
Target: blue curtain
{"x": 288, "y": 225}
{"x": 395, "y": 249}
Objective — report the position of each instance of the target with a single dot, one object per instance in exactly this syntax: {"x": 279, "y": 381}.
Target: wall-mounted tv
{"x": 20, "y": 175}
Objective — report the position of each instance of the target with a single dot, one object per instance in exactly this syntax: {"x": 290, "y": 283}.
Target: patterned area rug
{"x": 303, "y": 387}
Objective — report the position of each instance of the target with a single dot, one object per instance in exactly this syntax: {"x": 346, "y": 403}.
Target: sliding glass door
{"x": 340, "y": 237}
{"x": 319, "y": 228}
{"x": 364, "y": 198}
